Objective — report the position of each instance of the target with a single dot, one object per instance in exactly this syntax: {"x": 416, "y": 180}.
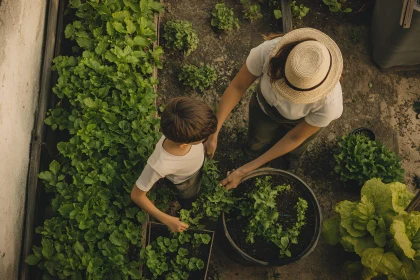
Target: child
{"x": 179, "y": 155}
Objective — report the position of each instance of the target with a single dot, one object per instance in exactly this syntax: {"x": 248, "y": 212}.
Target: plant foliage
{"x": 107, "y": 86}
{"x": 260, "y": 207}
{"x": 180, "y": 35}
{"x": 173, "y": 258}
{"x": 251, "y": 11}
{"x": 223, "y": 18}
{"x": 379, "y": 231}
{"x": 359, "y": 158}
{"x": 336, "y": 6}
{"x": 198, "y": 78}
{"x": 299, "y": 11}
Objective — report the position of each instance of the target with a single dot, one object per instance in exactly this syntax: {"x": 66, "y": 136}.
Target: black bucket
{"x": 365, "y": 132}
{"x": 233, "y": 251}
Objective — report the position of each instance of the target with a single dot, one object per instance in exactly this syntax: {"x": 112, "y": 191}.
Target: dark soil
{"x": 202, "y": 252}
{"x": 286, "y": 201}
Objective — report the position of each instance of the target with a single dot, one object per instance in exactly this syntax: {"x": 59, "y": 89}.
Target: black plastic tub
{"x": 365, "y": 132}
{"x": 239, "y": 255}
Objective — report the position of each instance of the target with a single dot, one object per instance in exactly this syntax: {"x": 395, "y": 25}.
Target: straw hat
{"x": 313, "y": 68}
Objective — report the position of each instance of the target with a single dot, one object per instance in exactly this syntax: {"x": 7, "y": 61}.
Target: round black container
{"x": 233, "y": 251}
{"x": 365, "y": 132}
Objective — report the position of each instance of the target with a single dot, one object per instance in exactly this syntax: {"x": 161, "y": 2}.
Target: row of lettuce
{"x": 106, "y": 106}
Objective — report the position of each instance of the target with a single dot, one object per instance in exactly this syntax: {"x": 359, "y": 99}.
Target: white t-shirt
{"x": 319, "y": 113}
{"x": 177, "y": 169}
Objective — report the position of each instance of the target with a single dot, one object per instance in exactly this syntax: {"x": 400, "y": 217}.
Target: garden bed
{"x": 202, "y": 251}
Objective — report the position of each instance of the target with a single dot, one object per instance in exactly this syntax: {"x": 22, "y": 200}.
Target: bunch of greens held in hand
{"x": 379, "y": 231}
{"x": 260, "y": 207}
{"x": 172, "y": 258}
{"x": 106, "y": 107}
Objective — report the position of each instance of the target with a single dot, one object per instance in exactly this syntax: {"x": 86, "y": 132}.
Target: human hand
{"x": 233, "y": 178}
{"x": 175, "y": 225}
{"x": 210, "y": 145}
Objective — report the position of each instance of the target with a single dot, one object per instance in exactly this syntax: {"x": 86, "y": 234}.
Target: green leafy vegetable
{"x": 198, "y": 78}
{"x": 359, "y": 158}
{"x": 180, "y": 35}
{"x": 223, "y": 18}
{"x": 378, "y": 229}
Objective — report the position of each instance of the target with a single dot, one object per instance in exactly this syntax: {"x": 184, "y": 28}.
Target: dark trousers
{"x": 266, "y": 129}
{"x": 189, "y": 190}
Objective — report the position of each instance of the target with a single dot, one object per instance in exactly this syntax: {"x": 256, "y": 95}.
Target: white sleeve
{"x": 148, "y": 178}
{"x": 255, "y": 60}
{"x": 331, "y": 110}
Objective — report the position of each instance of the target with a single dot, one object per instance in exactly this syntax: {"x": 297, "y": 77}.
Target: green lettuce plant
{"x": 198, "y": 78}
{"x": 223, "y": 18}
{"x": 180, "y": 35}
{"x": 379, "y": 230}
{"x": 251, "y": 11}
{"x": 358, "y": 158}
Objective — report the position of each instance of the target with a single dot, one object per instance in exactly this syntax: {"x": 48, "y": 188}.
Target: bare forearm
{"x": 144, "y": 203}
{"x": 282, "y": 147}
{"x": 229, "y": 99}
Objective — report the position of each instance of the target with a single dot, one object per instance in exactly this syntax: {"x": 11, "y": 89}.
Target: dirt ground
{"x": 385, "y": 106}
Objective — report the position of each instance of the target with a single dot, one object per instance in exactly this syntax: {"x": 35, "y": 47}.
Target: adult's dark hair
{"x": 187, "y": 120}
{"x": 278, "y": 61}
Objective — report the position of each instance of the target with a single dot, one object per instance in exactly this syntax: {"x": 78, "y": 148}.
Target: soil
{"x": 286, "y": 201}
{"x": 380, "y": 100}
{"x": 202, "y": 252}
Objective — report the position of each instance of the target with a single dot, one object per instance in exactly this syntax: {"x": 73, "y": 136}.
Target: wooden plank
{"x": 287, "y": 15}
{"x": 414, "y": 204}
{"x": 37, "y": 136}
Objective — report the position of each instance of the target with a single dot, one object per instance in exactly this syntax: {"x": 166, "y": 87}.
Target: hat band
{"x": 311, "y": 88}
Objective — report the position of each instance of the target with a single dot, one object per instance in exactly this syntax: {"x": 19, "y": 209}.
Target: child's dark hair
{"x": 187, "y": 120}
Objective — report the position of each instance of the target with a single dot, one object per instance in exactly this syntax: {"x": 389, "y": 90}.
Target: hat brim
{"x": 305, "y": 97}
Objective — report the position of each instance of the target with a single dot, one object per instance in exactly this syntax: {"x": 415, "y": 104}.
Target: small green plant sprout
{"x": 299, "y": 11}
{"x": 251, "y": 11}
{"x": 198, "y": 78}
{"x": 358, "y": 158}
{"x": 223, "y": 18}
{"x": 336, "y": 6}
{"x": 180, "y": 35}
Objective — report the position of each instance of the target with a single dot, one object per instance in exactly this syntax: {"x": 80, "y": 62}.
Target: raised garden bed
{"x": 232, "y": 225}
{"x": 181, "y": 252}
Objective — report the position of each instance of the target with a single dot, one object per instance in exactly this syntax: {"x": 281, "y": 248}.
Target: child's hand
{"x": 175, "y": 225}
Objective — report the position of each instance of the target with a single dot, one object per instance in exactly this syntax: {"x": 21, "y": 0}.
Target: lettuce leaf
{"x": 380, "y": 262}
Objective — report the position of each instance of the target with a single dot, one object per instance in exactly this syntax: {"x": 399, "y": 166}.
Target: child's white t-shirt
{"x": 319, "y": 113}
{"x": 177, "y": 169}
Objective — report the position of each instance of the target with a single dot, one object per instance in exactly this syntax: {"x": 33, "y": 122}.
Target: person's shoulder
{"x": 268, "y": 46}
{"x": 335, "y": 96}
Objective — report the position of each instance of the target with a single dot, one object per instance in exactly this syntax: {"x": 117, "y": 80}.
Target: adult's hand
{"x": 175, "y": 225}
{"x": 233, "y": 178}
{"x": 210, "y": 145}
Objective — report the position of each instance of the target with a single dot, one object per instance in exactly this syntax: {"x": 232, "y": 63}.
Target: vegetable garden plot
{"x": 107, "y": 107}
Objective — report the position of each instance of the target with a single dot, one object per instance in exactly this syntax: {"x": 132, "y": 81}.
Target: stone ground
{"x": 385, "y": 106}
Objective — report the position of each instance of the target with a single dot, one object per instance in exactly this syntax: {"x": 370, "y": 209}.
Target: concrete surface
{"x": 21, "y": 37}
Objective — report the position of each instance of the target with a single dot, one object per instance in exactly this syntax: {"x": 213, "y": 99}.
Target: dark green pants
{"x": 264, "y": 130}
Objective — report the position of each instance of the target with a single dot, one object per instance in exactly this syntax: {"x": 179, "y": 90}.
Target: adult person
{"x": 298, "y": 94}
